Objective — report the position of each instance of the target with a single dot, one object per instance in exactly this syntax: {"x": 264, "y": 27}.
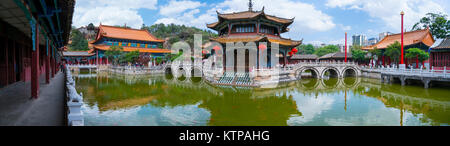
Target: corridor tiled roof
{"x": 306, "y": 56}
{"x": 337, "y": 55}
{"x": 77, "y": 53}
{"x": 444, "y": 44}
{"x": 410, "y": 38}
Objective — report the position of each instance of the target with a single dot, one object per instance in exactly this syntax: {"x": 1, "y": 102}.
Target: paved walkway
{"x": 18, "y": 109}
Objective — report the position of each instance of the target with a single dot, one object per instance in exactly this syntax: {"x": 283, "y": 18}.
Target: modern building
{"x": 252, "y": 26}
{"x": 359, "y": 40}
{"x": 421, "y": 39}
{"x": 383, "y": 34}
{"x": 371, "y": 41}
{"x": 440, "y": 54}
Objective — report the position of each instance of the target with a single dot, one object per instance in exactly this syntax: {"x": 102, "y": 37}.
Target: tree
{"x": 375, "y": 52}
{"x": 438, "y": 24}
{"x": 129, "y": 57}
{"x": 359, "y": 55}
{"x": 418, "y": 54}
{"x": 175, "y": 33}
{"x": 394, "y": 51}
{"x": 326, "y": 50}
{"x": 114, "y": 53}
{"x": 306, "y": 49}
{"x": 79, "y": 43}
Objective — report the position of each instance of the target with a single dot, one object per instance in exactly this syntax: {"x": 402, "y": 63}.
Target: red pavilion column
{"x": 47, "y": 64}
{"x": 402, "y": 57}
{"x": 35, "y": 63}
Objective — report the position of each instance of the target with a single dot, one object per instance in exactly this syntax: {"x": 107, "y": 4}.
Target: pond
{"x": 117, "y": 100}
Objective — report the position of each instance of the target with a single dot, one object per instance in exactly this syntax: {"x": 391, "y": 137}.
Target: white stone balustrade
{"x": 74, "y": 102}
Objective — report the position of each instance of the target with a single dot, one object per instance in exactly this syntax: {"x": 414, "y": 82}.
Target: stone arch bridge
{"x": 320, "y": 69}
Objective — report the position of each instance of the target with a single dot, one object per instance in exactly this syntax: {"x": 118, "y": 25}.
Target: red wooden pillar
{"x": 384, "y": 63}
{"x": 35, "y": 64}
{"x": 7, "y": 62}
{"x": 47, "y": 64}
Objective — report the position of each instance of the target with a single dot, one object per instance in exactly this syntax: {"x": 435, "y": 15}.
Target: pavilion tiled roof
{"x": 304, "y": 56}
{"x": 410, "y": 38}
{"x": 445, "y": 44}
{"x": 257, "y": 38}
{"x": 126, "y": 33}
{"x": 130, "y": 49}
{"x": 250, "y": 15}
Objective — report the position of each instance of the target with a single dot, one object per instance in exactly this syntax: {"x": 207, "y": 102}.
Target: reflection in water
{"x": 165, "y": 100}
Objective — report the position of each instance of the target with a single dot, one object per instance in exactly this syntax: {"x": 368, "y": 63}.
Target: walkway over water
{"x": 426, "y": 76}
{"x": 18, "y": 109}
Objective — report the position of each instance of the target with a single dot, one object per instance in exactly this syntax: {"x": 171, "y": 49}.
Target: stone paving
{"x": 18, "y": 109}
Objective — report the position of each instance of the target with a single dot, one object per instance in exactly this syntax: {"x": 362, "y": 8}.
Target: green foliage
{"x": 416, "y": 52}
{"x": 79, "y": 43}
{"x": 375, "y": 52}
{"x": 359, "y": 55}
{"x": 114, "y": 53}
{"x": 438, "y": 23}
{"x": 306, "y": 49}
{"x": 129, "y": 57}
{"x": 177, "y": 33}
{"x": 326, "y": 50}
{"x": 394, "y": 51}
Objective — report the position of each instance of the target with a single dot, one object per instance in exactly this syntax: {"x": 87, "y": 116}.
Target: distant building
{"x": 371, "y": 41}
{"x": 383, "y": 34}
{"x": 359, "y": 40}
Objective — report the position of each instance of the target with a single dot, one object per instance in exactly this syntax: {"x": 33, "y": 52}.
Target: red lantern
{"x": 291, "y": 53}
{"x": 295, "y": 50}
{"x": 262, "y": 47}
{"x": 216, "y": 48}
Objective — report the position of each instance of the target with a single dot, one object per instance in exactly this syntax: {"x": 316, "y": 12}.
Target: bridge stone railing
{"x": 444, "y": 73}
{"x": 74, "y": 102}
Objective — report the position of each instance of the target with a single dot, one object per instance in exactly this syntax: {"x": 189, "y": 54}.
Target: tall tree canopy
{"x": 306, "y": 49}
{"x": 438, "y": 23}
{"x": 177, "y": 33}
{"x": 359, "y": 55}
{"x": 79, "y": 43}
{"x": 394, "y": 51}
{"x": 326, "y": 50}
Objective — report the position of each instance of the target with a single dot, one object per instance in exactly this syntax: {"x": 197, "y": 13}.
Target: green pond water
{"x": 115, "y": 100}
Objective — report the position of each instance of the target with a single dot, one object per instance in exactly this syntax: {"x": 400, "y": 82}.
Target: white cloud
{"x": 315, "y": 20}
{"x": 176, "y": 7}
{"x": 111, "y": 12}
{"x": 388, "y": 11}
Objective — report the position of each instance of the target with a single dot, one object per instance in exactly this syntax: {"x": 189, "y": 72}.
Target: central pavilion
{"x": 252, "y": 26}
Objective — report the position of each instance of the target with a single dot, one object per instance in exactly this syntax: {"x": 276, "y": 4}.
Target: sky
{"x": 316, "y": 21}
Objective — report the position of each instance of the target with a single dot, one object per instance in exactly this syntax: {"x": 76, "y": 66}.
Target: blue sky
{"x": 316, "y": 21}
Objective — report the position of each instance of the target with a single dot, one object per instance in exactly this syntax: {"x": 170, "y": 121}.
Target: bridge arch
{"x": 333, "y": 72}
{"x": 350, "y": 71}
{"x": 314, "y": 72}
